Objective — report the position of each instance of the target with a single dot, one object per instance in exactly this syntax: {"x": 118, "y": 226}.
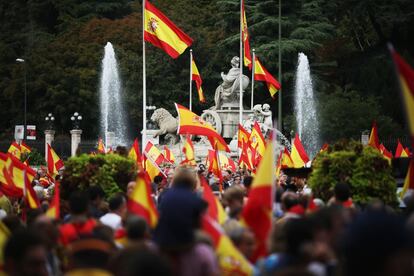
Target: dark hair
{"x": 247, "y": 181}
{"x": 342, "y": 192}
{"x": 116, "y": 201}
{"x": 78, "y": 203}
{"x": 158, "y": 179}
{"x": 21, "y": 242}
{"x": 136, "y": 228}
{"x": 95, "y": 192}
{"x": 290, "y": 200}
{"x": 121, "y": 150}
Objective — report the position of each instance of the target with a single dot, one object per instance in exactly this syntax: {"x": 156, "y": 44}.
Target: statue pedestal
{"x": 75, "y": 140}
{"x": 49, "y": 137}
{"x": 150, "y": 137}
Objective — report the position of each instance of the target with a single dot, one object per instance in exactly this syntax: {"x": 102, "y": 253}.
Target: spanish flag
{"x": 197, "y": 78}
{"x": 257, "y": 213}
{"x": 188, "y": 151}
{"x": 244, "y": 161}
{"x": 54, "y": 163}
{"x": 140, "y": 202}
{"x": 169, "y": 155}
{"x": 151, "y": 168}
{"x": 53, "y": 211}
{"x": 12, "y": 175}
{"x": 242, "y": 136}
{"x": 245, "y": 35}
{"x": 261, "y": 74}
{"x": 191, "y": 123}
{"x": 25, "y": 148}
{"x": 231, "y": 261}
{"x": 298, "y": 154}
{"x": 226, "y": 163}
{"x": 135, "y": 154}
{"x": 152, "y": 152}
{"x": 7, "y": 185}
{"x": 373, "y": 137}
{"x": 101, "y": 146}
{"x": 409, "y": 180}
{"x": 4, "y": 236}
{"x": 386, "y": 153}
{"x": 257, "y": 140}
{"x": 15, "y": 150}
{"x": 214, "y": 167}
{"x": 162, "y": 33}
{"x": 286, "y": 160}
{"x": 400, "y": 151}
{"x": 29, "y": 194}
{"x": 215, "y": 210}
{"x": 406, "y": 78}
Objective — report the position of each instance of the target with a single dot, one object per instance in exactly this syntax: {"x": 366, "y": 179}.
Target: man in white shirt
{"x": 118, "y": 210}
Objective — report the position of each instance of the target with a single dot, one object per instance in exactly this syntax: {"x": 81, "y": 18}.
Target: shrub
{"x": 364, "y": 169}
{"x": 111, "y": 171}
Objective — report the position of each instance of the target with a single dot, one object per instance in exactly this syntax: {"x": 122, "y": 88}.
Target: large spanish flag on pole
{"x": 257, "y": 213}
{"x": 163, "y": 33}
{"x": 191, "y": 123}
{"x": 246, "y": 44}
{"x": 406, "y": 78}
{"x": 195, "y": 76}
{"x": 261, "y": 74}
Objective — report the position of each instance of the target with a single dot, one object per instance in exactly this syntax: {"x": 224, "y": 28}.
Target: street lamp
{"x": 49, "y": 121}
{"x": 20, "y": 60}
{"x": 76, "y": 119}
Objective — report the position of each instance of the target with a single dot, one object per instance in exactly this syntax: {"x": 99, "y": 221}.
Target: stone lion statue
{"x": 165, "y": 121}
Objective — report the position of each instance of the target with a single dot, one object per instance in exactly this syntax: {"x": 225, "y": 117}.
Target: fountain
{"x": 113, "y": 125}
{"x": 305, "y": 107}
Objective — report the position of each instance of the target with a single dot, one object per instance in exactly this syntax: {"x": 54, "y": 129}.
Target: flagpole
{"x": 241, "y": 65}
{"x": 191, "y": 80}
{"x": 253, "y": 69}
{"x": 279, "y": 116}
{"x": 144, "y": 82}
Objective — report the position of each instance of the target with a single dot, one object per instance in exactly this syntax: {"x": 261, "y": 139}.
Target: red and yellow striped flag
{"x": 54, "y": 163}
{"x": 406, "y": 78}
{"x": 214, "y": 167}
{"x": 245, "y": 35}
{"x": 257, "y": 213}
{"x": 215, "y": 210}
{"x": 140, "y": 202}
{"x": 373, "y": 137}
{"x": 163, "y": 33}
{"x": 188, "y": 151}
{"x": 226, "y": 163}
{"x": 151, "y": 168}
{"x": 298, "y": 154}
{"x": 257, "y": 140}
{"x": 242, "y": 136}
{"x": 261, "y": 74}
{"x": 197, "y": 78}
{"x": 29, "y": 194}
{"x": 409, "y": 179}
{"x": 231, "y": 261}
{"x": 245, "y": 160}
{"x": 192, "y": 124}
{"x": 53, "y": 211}
{"x": 135, "y": 154}
{"x": 386, "y": 153}
{"x": 15, "y": 150}
{"x": 169, "y": 155}
{"x": 401, "y": 152}
{"x": 25, "y": 148}
{"x": 153, "y": 153}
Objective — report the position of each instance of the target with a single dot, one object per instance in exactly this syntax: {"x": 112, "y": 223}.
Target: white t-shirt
{"x": 112, "y": 220}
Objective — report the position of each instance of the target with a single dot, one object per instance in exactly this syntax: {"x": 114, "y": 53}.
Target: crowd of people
{"x": 96, "y": 235}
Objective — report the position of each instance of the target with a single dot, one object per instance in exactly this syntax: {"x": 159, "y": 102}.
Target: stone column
{"x": 49, "y": 137}
{"x": 75, "y": 140}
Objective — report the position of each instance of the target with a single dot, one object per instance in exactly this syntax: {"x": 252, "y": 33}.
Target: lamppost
{"x": 76, "y": 132}
{"x": 49, "y": 121}
{"x": 49, "y": 132}
{"x": 76, "y": 119}
{"x": 20, "y": 60}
